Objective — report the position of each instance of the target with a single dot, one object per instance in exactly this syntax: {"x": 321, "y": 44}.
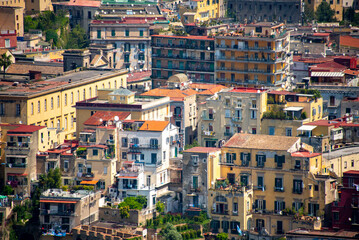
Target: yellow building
{"x": 50, "y": 102}
{"x": 255, "y": 55}
{"x": 269, "y": 178}
{"x": 207, "y": 9}
{"x": 12, "y": 18}
{"x": 336, "y": 5}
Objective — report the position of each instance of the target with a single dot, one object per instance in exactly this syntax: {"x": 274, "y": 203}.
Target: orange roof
{"x": 349, "y": 41}
{"x": 203, "y": 149}
{"x": 95, "y": 120}
{"x": 174, "y": 94}
{"x": 155, "y": 126}
{"x": 92, "y": 182}
{"x": 351, "y": 72}
{"x": 305, "y": 154}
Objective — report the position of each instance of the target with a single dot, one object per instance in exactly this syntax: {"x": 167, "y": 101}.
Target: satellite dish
{"x": 101, "y": 120}
{"x": 117, "y": 118}
{"x": 20, "y": 122}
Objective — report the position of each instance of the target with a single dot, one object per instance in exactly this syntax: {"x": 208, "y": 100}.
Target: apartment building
{"x": 32, "y": 6}
{"x": 183, "y": 106}
{"x": 267, "y": 176}
{"x": 62, "y": 211}
{"x": 256, "y": 55}
{"x": 145, "y": 148}
{"x": 123, "y": 100}
{"x": 200, "y": 169}
{"x": 12, "y": 19}
{"x": 22, "y": 143}
{"x": 336, "y": 6}
{"x": 50, "y": 102}
{"x": 129, "y": 36}
{"x": 191, "y": 55}
{"x": 230, "y": 111}
{"x": 258, "y": 11}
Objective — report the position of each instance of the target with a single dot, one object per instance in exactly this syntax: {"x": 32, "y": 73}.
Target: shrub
{"x": 198, "y": 233}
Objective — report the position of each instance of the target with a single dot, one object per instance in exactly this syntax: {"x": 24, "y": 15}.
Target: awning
{"x": 55, "y": 201}
{"x": 337, "y": 129}
{"x": 19, "y": 134}
{"x": 327, "y": 74}
{"x": 92, "y": 182}
{"x": 306, "y": 128}
{"x": 127, "y": 177}
{"x": 294, "y": 109}
{"x": 17, "y": 174}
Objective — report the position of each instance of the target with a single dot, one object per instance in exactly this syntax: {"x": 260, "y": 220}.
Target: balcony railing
{"x": 207, "y": 117}
{"x": 208, "y": 133}
{"x": 297, "y": 190}
{"x": 110, "y": 142}
{"x": 184, "y": 46}
{"x": 16, "y": 165}
{"x": 279, "y": 189}
{"x": 88, "y": 175}
{"x": 237, "y": 119}
{"x": 177, "y": 115}
{"x": 182, "y": 57}
{"x": 18, "y": 144}
{"x": 225, "y": 212}
{"x": 261, "y": 188}
{"x": 146, "y": 146}
{"x": 58, "y": 213}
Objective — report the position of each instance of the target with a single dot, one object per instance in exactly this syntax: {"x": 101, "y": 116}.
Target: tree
{"x": 5, "y": 62}
{"x": 51, "y": 35}
{"x": 324, "y": 13}
{"x": 124, "y": 211}
{"x": 169, "y": 232}
{"x": 50, "y": 180}
{"x": 222, "y": 236}
{"x": 160, "y": 207}
{"x": 132, "y": 203}
{"x": 7, "y": 190}
{"x": 308, "y": 14}
{"x": 77, "y": 39}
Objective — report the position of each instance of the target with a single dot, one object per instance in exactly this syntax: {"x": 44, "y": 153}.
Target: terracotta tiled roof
{"x": 80, "y": 3}
{"x": 351, "y": 72}
{"x": 154, "y": 126}
{"x": 322, "y": 123}
{"x": 258, "y": 141}
{"x": 172, "y": 93}
{"x": 134, "y": 77}
{"x": 349, "y": 41}
{"x": 24, "y": 68}
{"x": 203, "y": 149}
{"x": 248, "y": 90}
{"x": 352, "y": 172}
{"x": 328, "y": 66}
{"x": 282, "y": 92}
{"x": 94, "y": 120}
{"x": 26, "y": 129}
{"x": 305, "y": 154}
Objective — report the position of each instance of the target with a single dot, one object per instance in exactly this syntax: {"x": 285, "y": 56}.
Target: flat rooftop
{"x": 341, "y": 152}
{"x": 60, "y": 194}
{"x": 29, "y": 87}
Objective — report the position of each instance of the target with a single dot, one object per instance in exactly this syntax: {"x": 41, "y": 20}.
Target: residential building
{"x": 341, "y": 160}
{"x": 123, "y": 100}
{"x": 139, "y": 81}
{"x": 327, "y": 234}
{"x": 348, "y": 45}
{"x": 268, "y": 175}
{"x": 23, "y": 142}
{"x": 81, "y": 12}
{"x": 200, "y": 169}
{"x": 145, "y": 148}
{"x": 207, "y": 10}
{"x": 191, "y": 55}
{"x": 257, "y": 55}
{"x": 350, "y": 106}
{"x": 8, "y": 39}
{"x": 62, "y": 211}
{"x": 336, "y": 6}
{"x": 38, "y": 6}
{"x": 230, "y": 111}
{"x": 258, "y": 11}
{"x": 12, "y": 20}
{"x": 345, "y": 210}
{"x": 183, "y": 106}
{"x": 50, "y": 102}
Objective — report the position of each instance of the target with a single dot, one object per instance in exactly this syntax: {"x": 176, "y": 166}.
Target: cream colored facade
{"x": 38, "y": 5}
{"x": 54, "y": 106}
{"x": 228, "y": 112}
{"x": 341, "y": 160}
{"x": 272, "y": 175}
{"x": 12, "y": 18}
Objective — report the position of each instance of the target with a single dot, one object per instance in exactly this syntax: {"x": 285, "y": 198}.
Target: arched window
{"x": 52, "y": 103}
{"x": 72, "y": 97}
{"x": 58, "y": 124}
{"x": 96, "y": 90}
{"x": 84, "y": 94}
{"x": 58, "y": 101}
{"x": 78, "y": 95}
{"x": 90, "y": 92}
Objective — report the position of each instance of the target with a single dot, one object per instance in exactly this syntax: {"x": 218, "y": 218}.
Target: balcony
{"x": 228, "y": 134}
{"x": 260, "y": 188}
{"x": 252, "y": 59}
{"x": 57, "y": 213}
{"x": 88, "y": 175}
{"x": 16, "y": 165}
{"x": 177, "y": 115}
{"x": 237, "y": 119}
{"x": 110, "y": 142}
{"x": 208, "y": 133}
{"x": 279, "y": 189}
{"x": 144, "y": 146}
{"x": 18, "y": 144}
{"x": 182, "y": 57}
{"x": 225, "y": 212}
{"x": 183, "y": 46}
{"x": 207, "y": 117}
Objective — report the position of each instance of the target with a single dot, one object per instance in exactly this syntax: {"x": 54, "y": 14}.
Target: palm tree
{"x": 5, "y": 62}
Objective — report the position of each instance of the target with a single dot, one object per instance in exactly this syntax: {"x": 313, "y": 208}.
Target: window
{"x": 38, "y": 107}
{"x": 345, "y": 165}
{"x": 195, "y": 182}
{"x": 154, "y": 143}
{"x": 80, "y": 167}
{"x": 352, "y": 164}
{"x": 65, "y": 100}
{"x": 230, "y": 157}
{"x": 95, "y": 152}
{"x": 260, "y": 181}
{"x": 164, "y": 155}
{"x": 297, "y": 205}
{"x": 153, "y": 158}
{"x": 254, "y": 131}
{"x": 66, "y": 165}
{"x": 2, "y": 108}
{"x": 58, "y": 101}
{"x": 127, "y": 33}
{"x": 297, "y": 186}
{"x": 141, "y": 33}
{"x": 278, "y": 185}
{"x": 104, "y": 170}
{"x": 280, "y": 227}
{"x": 18, "y": 110}
{"x": 195, "y": 160}
{"x": 72, "y": 98}
{"x": 124, "y": 155}
{"x": 52, "y": 103}
{"x": 253, "y": 114}
{"x": 124, "y": 142}
{"x": 65, "y": 124}
{"x": 336, "y": 216}
{"x": 288, "y": 132}
{"x": 260, "y": 204}
{"x": 99, "y": 34}
{"x": 261, "y": 159}
{"x": 271, "y": 130}
{"x": 279, "y": 206}
{"x": 84, "y": 94}
{"x": 235, "y": 207}
{"x": 313, "y": 209}
{"x": 227, "y": 113}
{"x": 245, "y": 158}
{"x": 279, "y": 160}
{"x": 72, "y": 122}
{"x": 113, "y": 33}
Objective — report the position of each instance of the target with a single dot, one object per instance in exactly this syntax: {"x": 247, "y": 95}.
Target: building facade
{"x": 192, "y": 55}
{"x": 259, "y": 55}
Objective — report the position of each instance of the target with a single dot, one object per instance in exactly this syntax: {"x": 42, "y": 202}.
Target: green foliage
{"x": 81, "y": 151}
{"x": 124, "y": 211}
{"x": 324, "y": 13}
{"x": 222, "y": 236}
{"x": 303, "y": 115}
{"x": 138, "y": 202}
{"x": 308, "y": 14}
{"x": 52, "y": 37}
{"x": 77, "y": 39}
{"x": 82, "y": 187}
{"x": 275, "y": 113}
{"x": 313, "y": 92}
{"x": 46, "y": 20}
{"x": 194, "y": 144}
{"x": 5, "y": 62}
{"x": 50, "y": 180}
{"x": 7, "y": 190}
{"x": 169, "y": 232}
{"x": 160, "y": 207}
{"x": 22, "y": 212}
